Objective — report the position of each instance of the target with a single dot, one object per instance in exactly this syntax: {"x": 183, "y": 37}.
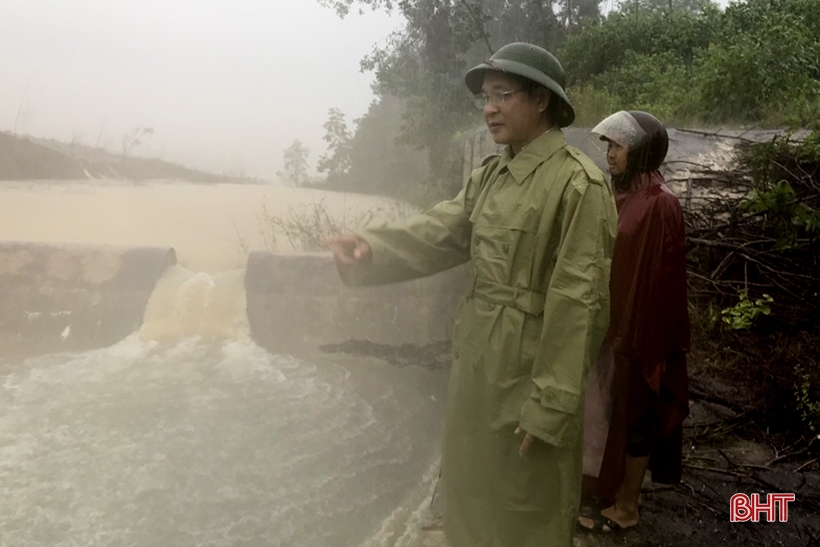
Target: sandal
{"x": 594, "y": 506}
{"x": 601, "y": 525}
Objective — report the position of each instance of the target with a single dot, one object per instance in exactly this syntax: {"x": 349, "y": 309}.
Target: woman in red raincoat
{"x": 649, "y": 324}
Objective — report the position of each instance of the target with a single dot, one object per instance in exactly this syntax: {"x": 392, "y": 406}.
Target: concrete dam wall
{"x": 85, "y": 296}
{"x": 295, "y": 300}
{"x": 93, "y": 296}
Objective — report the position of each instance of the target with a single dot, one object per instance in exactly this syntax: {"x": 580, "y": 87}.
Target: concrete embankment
{"x": 97, "y": 294}
{"x": 83, "y": 296}
{"x": 298, "y": 300}
{"x": 59, "y": 296}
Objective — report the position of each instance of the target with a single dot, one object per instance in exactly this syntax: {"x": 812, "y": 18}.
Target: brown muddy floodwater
{"x": 211, "y": 226}
{"x": 186, "y": 432}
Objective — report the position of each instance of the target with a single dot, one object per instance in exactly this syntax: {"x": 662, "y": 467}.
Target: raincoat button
{"x": 505, "y": 247}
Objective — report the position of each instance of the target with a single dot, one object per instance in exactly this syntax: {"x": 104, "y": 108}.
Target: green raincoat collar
{"x": 532, "y": 155}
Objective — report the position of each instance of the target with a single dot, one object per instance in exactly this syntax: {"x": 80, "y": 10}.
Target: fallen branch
{"x": 709, "y": 506}
{"x": 808, "y": 463}
{"x": 718, "y": 470}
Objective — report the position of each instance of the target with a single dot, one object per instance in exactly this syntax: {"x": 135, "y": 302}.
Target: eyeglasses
{"x": 496, "y": 98}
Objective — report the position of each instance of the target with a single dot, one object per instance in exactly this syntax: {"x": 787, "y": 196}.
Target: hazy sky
{"x": 226, "y": 86}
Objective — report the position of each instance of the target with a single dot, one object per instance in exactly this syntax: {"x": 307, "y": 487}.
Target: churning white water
{"x": 188, "y": 434}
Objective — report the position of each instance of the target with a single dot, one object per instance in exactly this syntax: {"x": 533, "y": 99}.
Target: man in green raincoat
{"x": 537, "y": 225}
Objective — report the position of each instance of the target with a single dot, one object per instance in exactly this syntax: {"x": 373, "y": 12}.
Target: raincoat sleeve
{"x": 576, "y": 313}
{"x": 422, "y": 245}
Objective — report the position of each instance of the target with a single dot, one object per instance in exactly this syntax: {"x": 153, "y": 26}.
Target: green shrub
{"x": 603, "y": 46}
{"x": 742, "y": 315}
{"x": 655, "y": 83}
{"x": 592, "y": 104}
{"x": 807, "y": 402}
{"x": 785, "y": 174}
{"x": 758, "y": 67}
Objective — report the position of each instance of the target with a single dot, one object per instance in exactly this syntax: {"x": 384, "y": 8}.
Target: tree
{"x": 766, "y": 60}
{"x": 336, "y": 162}
{"x": 379, "y": 164}
{"x": 424, "y": 63}
{"x": 757, "y": 61}
{"x": 597, "y": 49}
{"x": 665, "y": 6}
{"x": 295, "y": 171}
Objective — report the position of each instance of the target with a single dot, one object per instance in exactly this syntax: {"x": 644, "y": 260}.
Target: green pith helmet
{"x": 531, "y": 62}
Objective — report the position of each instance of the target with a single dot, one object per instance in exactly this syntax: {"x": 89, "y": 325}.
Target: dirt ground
{"x": 725, "y": 452}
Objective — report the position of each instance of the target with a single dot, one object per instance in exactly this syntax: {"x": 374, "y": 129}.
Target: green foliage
{"x": 756, "y": 15}
{"x": 665, "y": 6}
{"x": 656, "y": 83}
{"x": 742, "y": 315}
{"x": 686, "y": 61}
{"x": 713, "y": 316}
{"x": 336, "y": 162}
{"x": 768, "y": 158}
{"x": 592, "y": 104}
{"x": 756, "y": 67}
{"x": 378, "y": 163}
{"x": 759, "y": 61}
{"x": 785, "y": 194}
{"x": 789, "y": 218}
{"x": 295, "y": 170}
{"x": 623, "y": 35}
{"x": 807, "y": 401}
{"x": 642, "y": 57}
{"x": 424, "y": 63}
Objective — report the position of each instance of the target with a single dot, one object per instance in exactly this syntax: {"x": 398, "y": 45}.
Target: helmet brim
{"x": 621, "y": 128}
{"x": 475, "y": 79}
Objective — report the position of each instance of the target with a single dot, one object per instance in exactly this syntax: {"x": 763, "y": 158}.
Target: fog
{"x": 148, "y": 403}
{"x": 226, "y": 86}
{"x": 154, "y": 404}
